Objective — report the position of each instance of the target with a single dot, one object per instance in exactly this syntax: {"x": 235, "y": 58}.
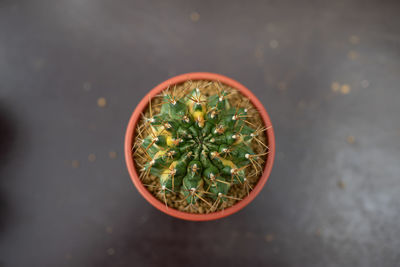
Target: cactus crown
{"x": 199, "y": 145}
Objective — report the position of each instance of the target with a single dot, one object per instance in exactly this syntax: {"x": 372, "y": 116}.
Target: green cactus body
{"x": 199, "y": 146}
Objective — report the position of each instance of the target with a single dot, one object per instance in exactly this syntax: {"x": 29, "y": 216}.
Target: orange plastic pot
{"x": 129, "y": 140}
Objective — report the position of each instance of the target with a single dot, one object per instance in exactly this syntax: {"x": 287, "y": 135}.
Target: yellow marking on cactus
{"x": 199, "y": 117}
{"x": 160, "y": 131}
{"x": 173, "y": 165}
{"x": 227, "y": 162}
{"x": 195, "y": 100}
{"x": 165, "y": 176}
{"x": 159, "y": 154}
{"x": 198, "y": 114}
{"x": 170, "y": 141}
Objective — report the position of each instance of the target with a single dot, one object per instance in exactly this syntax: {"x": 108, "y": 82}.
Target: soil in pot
{"x": 237, "y": 191}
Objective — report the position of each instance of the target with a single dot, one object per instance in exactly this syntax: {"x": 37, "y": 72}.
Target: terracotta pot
{"x": 130, "y": 132}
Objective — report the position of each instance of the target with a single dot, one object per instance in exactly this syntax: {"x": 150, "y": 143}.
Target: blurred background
{"x": 72, "y": 72}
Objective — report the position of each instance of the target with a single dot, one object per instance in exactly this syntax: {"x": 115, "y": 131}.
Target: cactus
{"x": 200, "y": 145}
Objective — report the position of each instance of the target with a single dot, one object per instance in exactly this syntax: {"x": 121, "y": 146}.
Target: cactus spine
{"x": 200, "y": 146}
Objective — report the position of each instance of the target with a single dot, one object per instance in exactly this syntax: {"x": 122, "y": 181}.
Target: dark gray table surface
{"x": 328, "y": 73}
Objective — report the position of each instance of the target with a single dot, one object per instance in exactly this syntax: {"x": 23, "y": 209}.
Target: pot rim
{"x": 131, "y": 128}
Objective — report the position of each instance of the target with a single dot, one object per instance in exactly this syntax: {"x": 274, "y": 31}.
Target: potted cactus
{"x": 196, "y": 152}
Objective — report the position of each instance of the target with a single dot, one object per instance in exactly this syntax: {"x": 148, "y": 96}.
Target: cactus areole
{"x": 199, "y": 145}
